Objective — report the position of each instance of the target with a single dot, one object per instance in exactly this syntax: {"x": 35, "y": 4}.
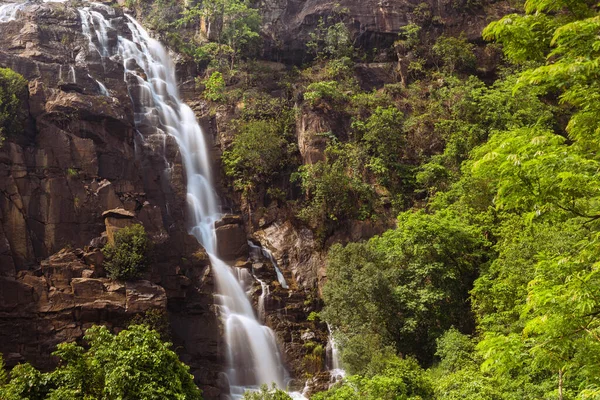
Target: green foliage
{"x": 13, "y": 111}
{"x": 421, "y": 271}
{"x": 155, "y": 319}
{"x": 135, "y": 364}
{"x": 129, "y": 256}
{"x": 384, "y": 138}
{"x": 409, "y": 37}
{"x": 258, "y": 151}
{"x": 331, "y": 38}
{"x": 454, "y": 53}
{"x": 233, "y": 23}
{"x": 399, "y": 379}
{"x": 3, "y": 374}
{"x": 267, "y": 394}
{"x": 214, "y": 87}
{"x": 335, "y": 188}
{"x": 324, "y": 91}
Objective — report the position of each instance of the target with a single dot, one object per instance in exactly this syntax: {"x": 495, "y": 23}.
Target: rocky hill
{"x": 83, "y": 169}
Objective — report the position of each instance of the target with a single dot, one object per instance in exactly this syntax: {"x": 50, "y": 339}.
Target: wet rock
{"x": 232, "y": 242}
{"x": 229, "y": 219}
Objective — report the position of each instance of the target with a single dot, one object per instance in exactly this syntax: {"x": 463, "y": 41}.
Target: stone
{"x": 229, "y": 219}
{"x": 115, "y": 219}
{"x": 232, "y": 242}
{"x": 144, "y": 295}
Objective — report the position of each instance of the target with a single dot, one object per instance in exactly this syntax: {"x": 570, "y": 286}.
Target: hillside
{"x": 349, "y": 200}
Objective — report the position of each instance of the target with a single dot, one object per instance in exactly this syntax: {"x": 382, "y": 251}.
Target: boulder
{"x": 115, "y": 219}
{"x": 232, "y": 242}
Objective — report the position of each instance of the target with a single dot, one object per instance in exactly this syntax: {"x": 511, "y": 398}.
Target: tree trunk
{"x": 560, "y": 384}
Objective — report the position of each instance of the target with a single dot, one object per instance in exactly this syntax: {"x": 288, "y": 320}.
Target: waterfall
{"x": 252, "y": 354}
{"x": 333, "y": 359}
{"x": 257, "y": 251}
{"x": 264, "y": 296}
{"x": 8, "y": 12}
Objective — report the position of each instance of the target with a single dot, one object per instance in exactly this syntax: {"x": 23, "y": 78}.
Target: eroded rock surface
{"x": 82, "y": 156}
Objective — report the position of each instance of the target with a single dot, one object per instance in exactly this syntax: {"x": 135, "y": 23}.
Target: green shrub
{"x": 215, "y": 87}
{"x": 328, "y": 91}
{"x": 330, "y": 40}
{"x": 267, "y": 394}
{"x": 128, "y": 257}
{"x": 3, "y": 374}
{"x": 13, "y": 113}
{"x": 335, "y": 189}
{"x": 134, "y": 364}
{"x": 258, "y": 151}
{"x": 454, "y": 53}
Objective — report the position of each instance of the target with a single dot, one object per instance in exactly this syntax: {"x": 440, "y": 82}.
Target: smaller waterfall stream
{"x": 258, "y": 251}
{"x": 334, "y": 364}
{"x": 8, "y": 12}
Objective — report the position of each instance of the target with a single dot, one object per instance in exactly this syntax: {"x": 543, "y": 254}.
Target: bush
{"x": 328, "y": 91}
{"x": 13, "y": 89}
{"x": 215, "y": 87}
{"x": 258, "y": 151}
{"x": 335, "y": 189}
{"x": 399, "y": 379}
{"x": 454, "y": 53}
{"x": 267, "y": 394}
{"x": 128, "y": 256}
{"x": 134, "y": 364}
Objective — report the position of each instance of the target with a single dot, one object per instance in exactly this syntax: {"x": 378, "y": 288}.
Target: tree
{"x": 405, "y": 288}
{"x": 233, "y": 23}
{"x": 3, "y": 374}
{"x": 13, "y": 110}
{"x": 399, "y": 379}
{"x": 129, "y": 256}
{"x": 257, "y": 152}
{"x": 454, "y": 53}
{"x": 214, "y": 87}
{"x": 135, "y": 364}
{"x": 335, "y": 190}
{"x": 384, "y": 138}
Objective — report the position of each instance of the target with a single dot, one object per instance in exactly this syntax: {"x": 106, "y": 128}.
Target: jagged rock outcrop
{"x": 60, "y": 299}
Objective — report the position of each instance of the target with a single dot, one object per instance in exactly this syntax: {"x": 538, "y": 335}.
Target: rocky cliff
{"x": 81, "y": 157}
{"x": 374, "y": 24}
{"x": 82, "y": 169}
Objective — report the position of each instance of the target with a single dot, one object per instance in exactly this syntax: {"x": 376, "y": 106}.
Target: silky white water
{"x": 258, "y": 251}
{"x": 334, "y": 364}
{"x": 252, "y": 354}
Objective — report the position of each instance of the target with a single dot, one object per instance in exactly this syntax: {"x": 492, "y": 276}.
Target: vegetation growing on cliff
{"x": 13, "y": 111}
{"x": 508, "y": 237}
{"x": 134, "y": 364}
{"x": 129, "y": 255}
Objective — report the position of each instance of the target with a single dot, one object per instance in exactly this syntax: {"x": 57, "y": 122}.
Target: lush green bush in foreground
{"x": 134, "y": 364}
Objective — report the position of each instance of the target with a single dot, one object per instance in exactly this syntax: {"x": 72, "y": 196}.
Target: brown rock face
{"x": 80, "y": 157}
{"x": 115, "y": 219}
{"x": 231, "y": 237}
{"x": 57, "y": 302}
{"x": 373, "y": 23}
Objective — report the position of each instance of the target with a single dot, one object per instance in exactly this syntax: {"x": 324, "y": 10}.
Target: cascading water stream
{"x": 252, "y": 354}
{"x": 258, "y": 251}
{"x": 334, "y": 365}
